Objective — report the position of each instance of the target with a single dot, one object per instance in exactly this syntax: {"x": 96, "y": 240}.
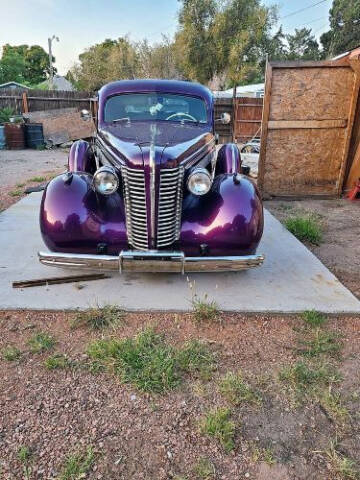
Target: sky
{"x": 82, "y": 23}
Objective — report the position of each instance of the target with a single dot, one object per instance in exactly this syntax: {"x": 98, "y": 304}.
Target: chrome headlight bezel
{"x": 98, "y": 179}
{"x": 196, "y": 175}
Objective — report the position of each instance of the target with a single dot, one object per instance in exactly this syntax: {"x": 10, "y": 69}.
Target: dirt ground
{"x": 288, "y": 435}
{"x": 340, "y": 221}
{"x": 19, "y": 167}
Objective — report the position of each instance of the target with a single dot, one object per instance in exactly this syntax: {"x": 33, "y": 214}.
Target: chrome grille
{"x": 170, "y": 203}
{"x": 168, "y": 212}
{"x": 135, "y": 207}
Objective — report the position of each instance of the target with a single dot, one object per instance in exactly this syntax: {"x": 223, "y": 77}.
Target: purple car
{"x": 150, "y": 193}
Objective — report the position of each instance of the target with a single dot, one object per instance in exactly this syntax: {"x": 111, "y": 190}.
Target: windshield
{"x": 155, "y": 106}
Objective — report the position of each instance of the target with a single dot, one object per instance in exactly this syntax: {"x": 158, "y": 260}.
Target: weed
{"x": 11, "y": 354}
{"x": 98, "y": 318}
{"x": 16, "y": 193}
{"x": 24, "y": 456}
{"x": 41, "y": 342}
{"x": 237, "y": 391}
{"x": 204, "y": 309}
{"x": 321, "y": 343}
{"x": 313, "y": 319}
{"x": 305, "y": 228}
{"x": 204, "y": 469}
{"x": 345, "y": 468}
{"x": 37, "y": 179}
{"x": 57, "y": 361}
{"x": 147, "y": 362}
{"x": 20, "y": 185}
{"x": 77, "y": 465}
{"x": 263, "y": 454}
{"x": 195, "y": 358}
{"x": 334, "y": 406}
{"x": 302, "y": 377}
{"x": 217, "y": 424}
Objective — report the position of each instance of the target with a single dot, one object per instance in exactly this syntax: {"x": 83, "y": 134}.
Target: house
{"x": 255, "y": 90}
{"x": 59, "y": 83}
{"x": 14, "y": 86}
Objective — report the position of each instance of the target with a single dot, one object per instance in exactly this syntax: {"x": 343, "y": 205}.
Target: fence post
{"x": 25, "y": 104}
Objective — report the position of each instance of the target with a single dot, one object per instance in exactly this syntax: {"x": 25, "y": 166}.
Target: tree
{"x": 22, "y": 63}
{"x": 157, "y": 61}
{"x": 302, "y": 45}
{"x": 344, "y": 33}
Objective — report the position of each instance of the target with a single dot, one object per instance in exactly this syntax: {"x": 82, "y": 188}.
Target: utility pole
{"x": 51, "y": 77}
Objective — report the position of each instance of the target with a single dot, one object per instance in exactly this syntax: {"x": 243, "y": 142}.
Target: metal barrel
{"x": 2, "y": 137}
{"x": 14, "y": 134}
{"x": 34, "y": 135}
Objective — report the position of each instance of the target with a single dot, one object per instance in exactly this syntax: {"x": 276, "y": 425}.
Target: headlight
{"x": 199, "y": 181}
{"x": 105, "y": 180}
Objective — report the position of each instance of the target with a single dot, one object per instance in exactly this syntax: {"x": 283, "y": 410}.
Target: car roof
{"x": 152, "y": 85}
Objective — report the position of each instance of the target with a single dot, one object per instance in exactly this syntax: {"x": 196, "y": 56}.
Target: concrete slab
{"x": 292, "y": 279}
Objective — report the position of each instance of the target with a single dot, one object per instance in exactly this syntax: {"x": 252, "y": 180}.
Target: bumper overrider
{"x": 150, "y": 261}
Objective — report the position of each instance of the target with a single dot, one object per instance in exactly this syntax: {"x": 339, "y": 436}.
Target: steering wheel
{"x": 181, "y": 114}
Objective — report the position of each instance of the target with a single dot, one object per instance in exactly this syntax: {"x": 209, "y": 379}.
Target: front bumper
{"x": 152, "y": 261}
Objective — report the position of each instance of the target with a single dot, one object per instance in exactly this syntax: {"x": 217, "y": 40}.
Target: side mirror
{"x": 85, "y": 115}
{"x": 225, "y": 118}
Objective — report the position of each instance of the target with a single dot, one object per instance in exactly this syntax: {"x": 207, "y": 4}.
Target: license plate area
{"x": 159, "y": 261}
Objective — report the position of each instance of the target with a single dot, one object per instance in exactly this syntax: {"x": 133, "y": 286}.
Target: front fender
{"x": 75, "y": 218}
{"x": 226, "y": 221}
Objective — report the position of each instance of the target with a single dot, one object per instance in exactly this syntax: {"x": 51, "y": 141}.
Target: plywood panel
{"x": 311, "y": 93}
{"x": 303, "y": 162}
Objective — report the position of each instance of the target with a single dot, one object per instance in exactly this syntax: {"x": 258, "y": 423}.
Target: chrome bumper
{"x": 157, "y": 261}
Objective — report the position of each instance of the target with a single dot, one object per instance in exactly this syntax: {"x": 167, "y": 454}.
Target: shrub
{"x": 305, "y": 228}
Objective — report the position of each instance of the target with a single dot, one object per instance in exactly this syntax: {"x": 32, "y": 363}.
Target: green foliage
{"x": 37, "y": 179}
{"x": 5, "y": 114}
{"x": 16, "y": 193}
{"x": 237, "y": 391}
{"x": 344, "y": 33}
{"x": 147, "y": 361}
{"x": 77, "y": 465}
{"x": 217, "y": 424}
{"x": 313, "y": 319}
{"x": 24, "y": 64}
{"x": 305, "y": 228}
{"x": 204, "y": 469}
{"x": 58, "y": 361}
{"x": 41, "y": 342}
{"x": 195, "y": 358}
{"x": 204, "y": 309}
{"x": 302, "y": 377}
{"x": 321, "y": 343}
{"x": 343, "y": 467}
{"x": 11, "y": 353}
{"x": 98, "y": 318}
{"x": 24, "y": 456}
{"x": 302, "y": 45}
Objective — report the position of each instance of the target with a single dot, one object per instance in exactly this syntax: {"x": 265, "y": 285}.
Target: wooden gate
{"x": 248, "y": 114}
{"x": 308, "y": 115}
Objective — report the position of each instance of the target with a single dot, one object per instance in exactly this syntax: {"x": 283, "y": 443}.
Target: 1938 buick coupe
{"x": 149, "y": 193}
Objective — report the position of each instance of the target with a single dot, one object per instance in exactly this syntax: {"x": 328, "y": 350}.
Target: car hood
{"x": 173, "y": 143}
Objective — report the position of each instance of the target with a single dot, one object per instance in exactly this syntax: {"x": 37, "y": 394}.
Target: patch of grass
{"x": 205, "y": 310}
{"x": 41, "y": 342}
{"x": 302, "y": 377}
{"x": 321, "y": 343}
{"x": 77, "y": 465}
{"x": 217, "y": 424}
{"x": 345, "y": 468}
{"x": 24, "y": 456}
{"x": 16, "y": 193}
{"x": 37, "y": 179}
{"x": 148, "y": 362}
{"x": 204, "y": 469}
{"x": 58, "y": 361}
{"x": 20, "y": 185}
{"x": 333, "y": 405}
{"x": 263, "y": 455}
{"x": 237, "y": 391}
{"x": 305, "y": 228}
{"x": 11, "y": 353}
{"x": 99, "y": 318}
{"x": 196, "y": 359}
{"x": 313, "y": 319}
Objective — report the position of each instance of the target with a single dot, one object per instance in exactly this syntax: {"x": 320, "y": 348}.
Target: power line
{"x": 303, "y": 9}
{"x": 308, "y": 23}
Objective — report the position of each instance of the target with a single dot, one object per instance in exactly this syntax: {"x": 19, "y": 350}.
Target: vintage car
{"x": 150, "y": 192}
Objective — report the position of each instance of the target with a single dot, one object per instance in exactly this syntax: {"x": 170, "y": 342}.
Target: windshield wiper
{"x": 123, "y": 119}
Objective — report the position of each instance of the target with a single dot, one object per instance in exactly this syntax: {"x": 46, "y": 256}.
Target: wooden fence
{"x": 225, "y": 132}
{"x": 248, "y": 113}
{"x": 39, "y": 100}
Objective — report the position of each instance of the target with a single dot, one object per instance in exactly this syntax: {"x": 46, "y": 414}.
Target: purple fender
{"x": 81, "y": 158}
{"x": 228, "y": 159}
